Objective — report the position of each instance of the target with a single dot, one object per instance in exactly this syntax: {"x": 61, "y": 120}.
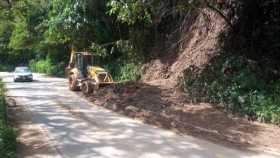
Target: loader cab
{"x": 81, "y": 61}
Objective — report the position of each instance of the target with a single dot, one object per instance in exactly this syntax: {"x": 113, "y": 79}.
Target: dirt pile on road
{"x": 158, "y": 101}
{"x": 169, "y": 109}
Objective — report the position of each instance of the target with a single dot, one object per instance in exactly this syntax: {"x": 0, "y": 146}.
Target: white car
{"x": 23, "y": 74}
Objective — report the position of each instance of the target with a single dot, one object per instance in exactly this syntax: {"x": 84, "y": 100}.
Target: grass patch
{"x": 7, "y": 134}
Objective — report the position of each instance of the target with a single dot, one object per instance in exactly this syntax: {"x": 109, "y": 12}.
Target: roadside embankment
{"x": 7, "y": 134}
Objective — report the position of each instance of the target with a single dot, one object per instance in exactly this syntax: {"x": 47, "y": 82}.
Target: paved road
{"x": 78, "y": 129}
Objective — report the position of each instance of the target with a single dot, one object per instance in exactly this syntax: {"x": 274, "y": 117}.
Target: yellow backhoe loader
{"x": 83, "y": 75}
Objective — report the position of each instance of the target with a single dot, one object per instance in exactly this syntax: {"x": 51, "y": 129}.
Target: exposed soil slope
{"x": 197, "y": 43}
{"x": 157, "y": 101}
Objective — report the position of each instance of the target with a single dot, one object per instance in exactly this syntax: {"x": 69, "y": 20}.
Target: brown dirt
{"x": 156, "y": 101}
{"x": 168, "y": 109}
{"x": 197, "y": 42}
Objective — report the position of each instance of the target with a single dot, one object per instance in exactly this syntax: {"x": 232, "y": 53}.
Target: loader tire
{"x": 87, "y": 88}
{"x": 73, "y": 83}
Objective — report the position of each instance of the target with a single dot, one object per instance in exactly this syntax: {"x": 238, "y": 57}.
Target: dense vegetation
{"x": 245, "y": 75}
{"x": 7, "y": 134}
{"x": 122, "y": 34}
{"x": 239, "y": 85}
{"x": 120, "y": 31}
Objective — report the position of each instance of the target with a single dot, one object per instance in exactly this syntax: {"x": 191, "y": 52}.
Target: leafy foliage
{"x": 239, "y": 85}
{"x": 43, "y": 27}
{"x": 7, "y": 134}
{"x": 125, "y": 71}
{"x": 131, "y": 11}
{"x": 47, "y": 66}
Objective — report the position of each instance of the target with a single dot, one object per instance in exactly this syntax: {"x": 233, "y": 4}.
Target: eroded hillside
{"x": 158, "y": 100}
{"x": 197, "y": 42}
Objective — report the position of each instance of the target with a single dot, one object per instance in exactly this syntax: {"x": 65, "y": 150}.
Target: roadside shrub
{"x": 125, "y": 71}
{"x": 47, "y": 66}
{"x": 7, "y": 143}
{"x": 7, "y": 134}
{"x": 5, "y": 68}
{"x": 238, "y": 84}
{"x": 122, "y": 60}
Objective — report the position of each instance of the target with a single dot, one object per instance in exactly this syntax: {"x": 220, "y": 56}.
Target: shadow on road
{"x": 81, "y": 130}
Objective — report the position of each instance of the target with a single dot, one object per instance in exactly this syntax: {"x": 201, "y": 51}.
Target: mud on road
{"x": 169, "y": 109}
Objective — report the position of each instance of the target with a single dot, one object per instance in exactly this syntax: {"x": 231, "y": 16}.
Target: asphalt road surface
{"x": 72, "y": 127}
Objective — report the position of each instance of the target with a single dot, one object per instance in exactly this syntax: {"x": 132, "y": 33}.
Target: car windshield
{"x": 22, "y": 70}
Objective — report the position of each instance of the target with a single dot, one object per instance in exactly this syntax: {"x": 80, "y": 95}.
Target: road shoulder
{"x": 32, "y": 140}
